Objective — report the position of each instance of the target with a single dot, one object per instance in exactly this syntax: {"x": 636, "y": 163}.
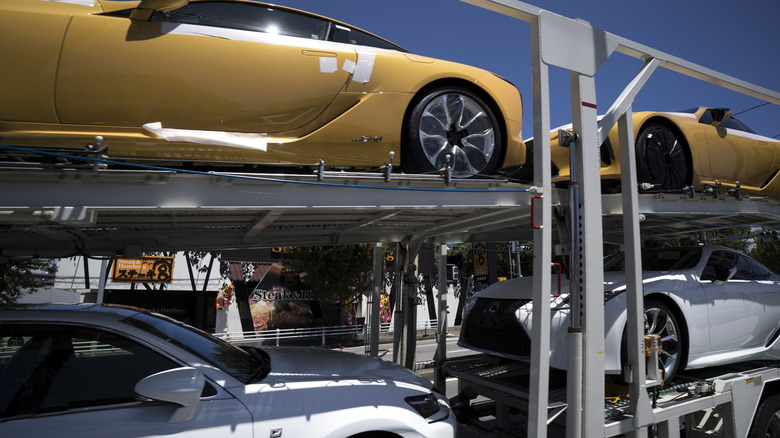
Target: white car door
{"x": 69, "y": 381}
{"x": 738, "y": 308}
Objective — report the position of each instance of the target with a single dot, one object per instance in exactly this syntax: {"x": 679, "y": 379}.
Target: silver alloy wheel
{"x": 456, "y": 125}
{"x": 658, "y": 321}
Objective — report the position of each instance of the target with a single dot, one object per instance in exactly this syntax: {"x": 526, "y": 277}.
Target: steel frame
{"x": 78, "y": 212}
{"x": 580, "y": 48}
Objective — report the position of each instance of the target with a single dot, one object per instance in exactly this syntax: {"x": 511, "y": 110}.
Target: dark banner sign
{"x": 143, "y": 270}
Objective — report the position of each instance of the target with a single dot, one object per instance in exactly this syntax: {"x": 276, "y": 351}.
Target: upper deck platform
{"x": 108, "y": 212}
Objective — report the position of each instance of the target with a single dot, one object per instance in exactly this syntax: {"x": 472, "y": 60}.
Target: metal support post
{"x": 398, "y": 311}
{"x": 408, "y": 337}
{"x": 440, "y": 356}
{"x": 590, "y": 266}
{"x": 574, "y": 345}
{"x": 375, "y": 317}
{"x": 640, "y": 405}
{"x": 103, "y": 278}
{"x": 574, "y": 382}
{"x": 540, "y": 348}
{"x": 85, "y": 260}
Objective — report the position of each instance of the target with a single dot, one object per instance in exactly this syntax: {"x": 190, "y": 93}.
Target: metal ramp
{"x": 65, "y": 212}
{"x": 108, "y": 212}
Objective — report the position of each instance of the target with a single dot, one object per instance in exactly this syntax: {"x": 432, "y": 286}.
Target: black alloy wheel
{"x": 662, "y": 158}
{"x": 766, "y": 423}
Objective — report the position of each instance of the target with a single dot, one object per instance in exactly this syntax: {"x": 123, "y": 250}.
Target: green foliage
{"x": 20, "y": 276}
{"x": 767, "y": 252}
{"x": 740, "y": 239}
{"x": 503, "y": 256}
{"x": 331, "y": 272}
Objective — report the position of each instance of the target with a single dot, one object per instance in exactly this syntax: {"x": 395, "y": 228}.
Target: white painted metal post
{"x": 408, "y": 338}
{"x": 102, "y": 283}
{"x": 398, "y": 311}
{"x": 590, "y": 266}
{"x": 376, "y": 317}
{"x": 574, "y": 335}
{"x": 574, "y": 383}
{"x": 640, "y": 404}
{"x": 441, "y": 349}
{"x": 542, "y": 282}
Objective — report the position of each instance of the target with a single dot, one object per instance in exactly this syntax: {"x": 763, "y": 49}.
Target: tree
{"x": 20, "y": 276}
{"x": 767, "y": 251}
{"x": 337, "y": 272}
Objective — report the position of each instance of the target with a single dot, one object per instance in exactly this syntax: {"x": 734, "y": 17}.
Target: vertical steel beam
{"x": 375, "y": 317}
{"x": 590, "y": 265}
{"x": 574, "y": 335}
{"x": 441, "y": 349}
{"x": 103, "y": 278}
{"x": 542, "y": 282}
{"x": 408, "y": 339}
{"x": 640, "y": 405}
{"x": 87, "y": 284}
{"x": 398, "y": 311}
{"x": 574, "y": 382}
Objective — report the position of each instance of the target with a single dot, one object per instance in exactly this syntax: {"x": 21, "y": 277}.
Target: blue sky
{"x": 740, "y": 39}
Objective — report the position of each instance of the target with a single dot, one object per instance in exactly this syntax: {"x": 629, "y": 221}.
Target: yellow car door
{"x": 227, "y": 66}
{"x": 32, "y": 34}
{"x": 738, "y": 154}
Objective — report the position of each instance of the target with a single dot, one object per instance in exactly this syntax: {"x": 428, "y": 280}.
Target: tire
{"x": 376, "y": 434}
{"x": 766, "y": 423}
{"x": 456, "y": 122}
{"x": 661, "y": 320}
{"x": 662, "y": 158}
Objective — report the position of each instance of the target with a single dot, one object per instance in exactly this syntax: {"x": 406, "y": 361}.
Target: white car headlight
{"x": 429, "y": 407}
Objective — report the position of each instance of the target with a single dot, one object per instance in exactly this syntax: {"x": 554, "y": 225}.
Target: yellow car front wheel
{"x": 452, "y": 125}
{"x": 662, "y": 158}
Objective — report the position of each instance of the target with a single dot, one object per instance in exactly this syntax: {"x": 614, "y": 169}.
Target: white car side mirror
{"x": 181, "y": 386}
{"x": 725, "y": 276}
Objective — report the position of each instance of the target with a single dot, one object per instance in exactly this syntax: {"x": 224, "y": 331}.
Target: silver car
{"x": 710, "y": 305}
{"x": 107, "y": 371}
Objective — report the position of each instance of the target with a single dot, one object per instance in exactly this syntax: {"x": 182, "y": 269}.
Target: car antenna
{"x": 751, "y": 109}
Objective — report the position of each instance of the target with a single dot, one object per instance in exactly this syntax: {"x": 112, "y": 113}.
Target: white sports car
{"x": 107, "y": 371}
{"x": 710, "y": 305}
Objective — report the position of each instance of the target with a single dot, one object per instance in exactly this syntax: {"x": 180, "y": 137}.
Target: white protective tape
{"x": 89, "y": 3}
{"x": 222, "y": 138}
{"x": 349, "y": 66}
{"x": 365, "y": 65}
{"x": 328, "y": 64}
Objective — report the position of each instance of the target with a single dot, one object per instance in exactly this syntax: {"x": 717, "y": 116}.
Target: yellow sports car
{"x": 243, "y": 83}
{"x": 696, "y": 147}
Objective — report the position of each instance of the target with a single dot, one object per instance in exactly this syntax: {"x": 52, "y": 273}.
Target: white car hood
{"x": 522, "y": 288}
{"x": 301, "y": 364}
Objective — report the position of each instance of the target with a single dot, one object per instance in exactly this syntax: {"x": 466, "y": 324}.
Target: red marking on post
{"x": 589, "y": 105}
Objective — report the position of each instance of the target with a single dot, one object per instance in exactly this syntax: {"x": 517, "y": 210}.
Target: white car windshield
{"x": 658, "y": 259}
{"x": 229, "y": 358}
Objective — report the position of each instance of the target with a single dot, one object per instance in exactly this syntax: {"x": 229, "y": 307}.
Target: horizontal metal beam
{"x": 557, "y": 49}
